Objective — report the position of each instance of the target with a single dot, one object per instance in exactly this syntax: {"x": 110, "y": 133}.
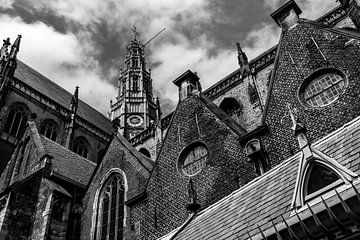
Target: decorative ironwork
{"x": 290, "y": 231}
{"x": 334, "y": 219}
{"x": 276, "y": 231}
{"x": 262, "y": 233}
{"x": 320, "y": 225}
{"x": 304, "y": 228}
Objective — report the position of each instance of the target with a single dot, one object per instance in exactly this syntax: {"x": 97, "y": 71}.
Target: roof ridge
{"x": 41, "y": 77}
{"x": 43, "y": 138}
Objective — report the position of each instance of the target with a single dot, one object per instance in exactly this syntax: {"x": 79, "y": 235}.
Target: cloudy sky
{"x": 81, "y": 42}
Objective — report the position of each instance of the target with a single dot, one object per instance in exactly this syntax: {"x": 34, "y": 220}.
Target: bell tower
{"x": 135, "y": 105}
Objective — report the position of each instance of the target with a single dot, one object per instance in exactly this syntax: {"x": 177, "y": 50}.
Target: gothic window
{"x": 135, "y": 82}
{"x": 230, "y": 106}
{"x": 111, "y": 210}
{"x": 135, "y": 63}
{"x": 58, "y": 217}
{"x": 322, "y": 88}
{"x": 81, "y": 147}
{"x": 16, "y": 120}
{"x": 49, "y": 129}
{"x": 192, "y": 159}
{"x": 319, "y": 177}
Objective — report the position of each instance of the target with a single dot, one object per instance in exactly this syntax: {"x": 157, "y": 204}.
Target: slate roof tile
{"x": 50, "y": 89}
{"x": 67, "y": 163}
{"x": 267, "y": 197}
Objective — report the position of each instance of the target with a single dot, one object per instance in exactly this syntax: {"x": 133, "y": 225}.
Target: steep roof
{"x": 67, "y": 164}
{"x": 269, "y": 196}
{"x": 50, "y": 89}
{"x": 64, "y": 164}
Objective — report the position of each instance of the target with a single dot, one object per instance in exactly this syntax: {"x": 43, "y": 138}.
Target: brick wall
{"x": 118, "y": 156}
{"x": 226, "y": 169}
{"x": 280, "y": 142}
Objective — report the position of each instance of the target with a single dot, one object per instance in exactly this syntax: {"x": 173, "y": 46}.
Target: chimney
{"x": 188, "y": 84}
{"x": 287, "y": 16}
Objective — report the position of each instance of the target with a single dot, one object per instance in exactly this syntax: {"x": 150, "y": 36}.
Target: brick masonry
{"x": 280, "y": 142}
{"x": 226, "y": 169}
{"x": 118, "y": 156}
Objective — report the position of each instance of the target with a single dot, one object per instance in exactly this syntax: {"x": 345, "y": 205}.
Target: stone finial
{"x": 75, "y": 100}
{"x": 15, "y": 47}
{"x": 242, "y": 60}
{"x": 293, "y": 113}
{"x": 4, "y": 49}
{"x": 298, "y": 128}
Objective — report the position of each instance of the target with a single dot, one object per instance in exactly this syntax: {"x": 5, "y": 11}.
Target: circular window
{"x": 192, "y": 159}
{"x": 322, "y": 88}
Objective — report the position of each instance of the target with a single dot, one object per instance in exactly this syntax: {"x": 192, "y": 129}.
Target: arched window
{"x": 49, "y": 129}
{"x": 17, "y": 117}
{"x": 81, "y": 147}
{"x": 145, "y": 152}
{"x": 111, "y": 209}
{"x": 318, "y": 178}
{"x": 230, "y": 106}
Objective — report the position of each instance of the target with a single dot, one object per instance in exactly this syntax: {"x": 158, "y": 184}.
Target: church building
{"x": 269, "y": 152}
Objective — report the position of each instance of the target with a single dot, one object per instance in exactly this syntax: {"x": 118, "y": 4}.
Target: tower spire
{"x": 135, "y": 105}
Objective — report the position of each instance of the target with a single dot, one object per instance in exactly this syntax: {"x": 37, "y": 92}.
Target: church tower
{"x": 135, "y": 105}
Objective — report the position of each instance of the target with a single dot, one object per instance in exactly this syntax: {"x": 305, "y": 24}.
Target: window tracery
{"x": 111, "y": 210}
{"x": 81, "y": 147}
{"x": 49, "y": 129}
{"x": 323, "y": 88}
{"x": 193, "y": 158}
{"x": 16, "y": 120}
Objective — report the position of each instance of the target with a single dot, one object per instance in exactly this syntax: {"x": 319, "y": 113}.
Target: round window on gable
{"x": 322, "y": 88}
{"x": 192, "y": 159}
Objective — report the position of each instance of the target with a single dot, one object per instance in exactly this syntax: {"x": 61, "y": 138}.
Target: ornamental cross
{"x": 293, "y": 115}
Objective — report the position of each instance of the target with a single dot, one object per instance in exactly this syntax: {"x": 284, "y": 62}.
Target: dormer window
{"x": 319, "y": 179}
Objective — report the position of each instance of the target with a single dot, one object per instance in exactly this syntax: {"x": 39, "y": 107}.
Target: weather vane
{"x": 293, "y": 115}
{"x": 135, "y": 32}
